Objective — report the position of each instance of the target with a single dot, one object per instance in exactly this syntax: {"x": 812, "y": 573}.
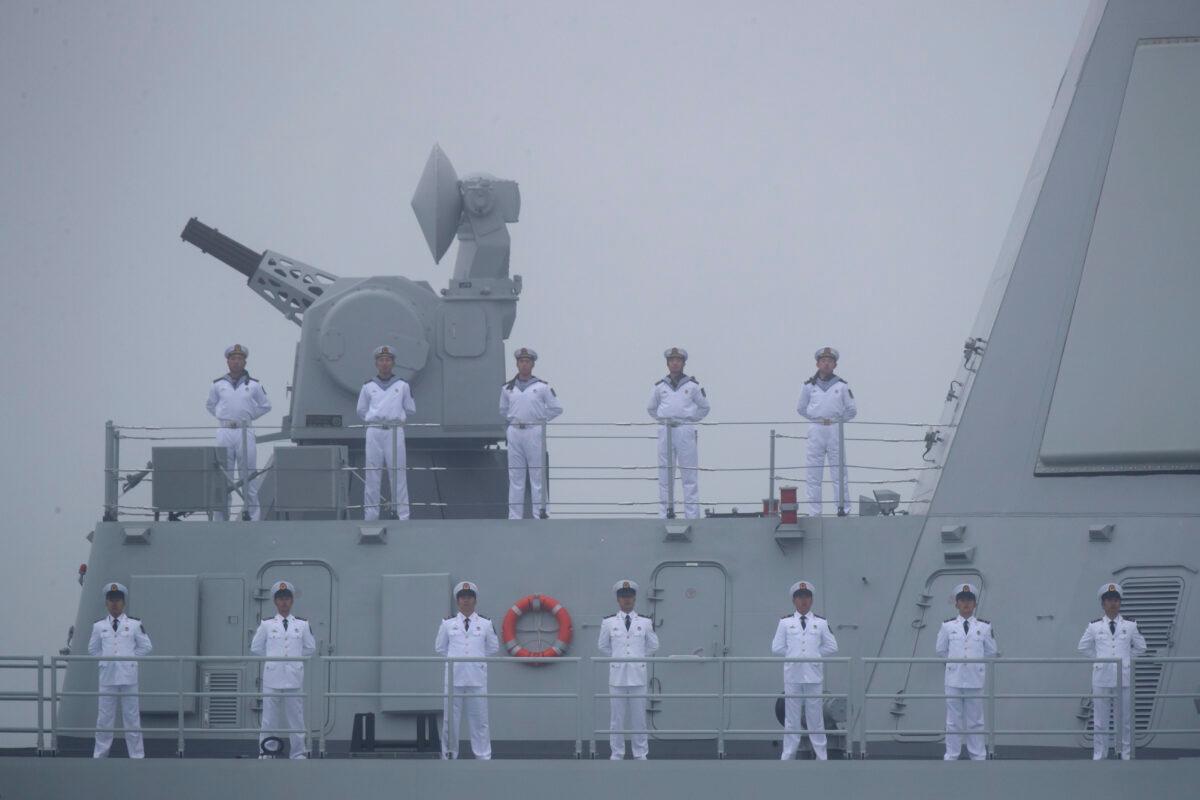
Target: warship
{"x": 1067, "y": 455}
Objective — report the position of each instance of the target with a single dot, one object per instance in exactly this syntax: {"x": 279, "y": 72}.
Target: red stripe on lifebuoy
{"x": 534, "y": 602}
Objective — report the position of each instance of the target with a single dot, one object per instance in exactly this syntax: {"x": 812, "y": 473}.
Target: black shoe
{"x": 843, "y": 512}
{"x": 670, "y": 515}
{"x": 543, "y": 515}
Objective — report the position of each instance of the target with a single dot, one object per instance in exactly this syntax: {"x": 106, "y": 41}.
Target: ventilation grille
{"x": 221, "y": 710}
{"x": 1153, "y": 602}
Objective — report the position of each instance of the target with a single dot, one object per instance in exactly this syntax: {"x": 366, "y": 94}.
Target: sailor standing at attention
{"x": 964, "y": 636}
{"x": 627, "y": 635}
{"x": 384, "y": 403}
{"x": 1111, "y": 636}
{"x": 803, "y": 634}
{"x": 676, "y": 402}
{"x": 283, "y": 681}
{"x": 825, "y": 400}
{"x": 118, "y": 635}
{"x": 236, "y": 400}
{"x": 467, "y": 634}
{"x": 527, "y": 402}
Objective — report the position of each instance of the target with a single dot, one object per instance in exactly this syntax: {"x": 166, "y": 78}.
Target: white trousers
{"x": 466, "y": 699}
{"x": 814, "y": 719}
{"x": 628, "y": 713}
{"x": 824, "y": 446}
{"x": 131, "y": 719}
{"x": 379, "y": 453}
{"x": 1102, "y": 721}
{"x": 684, "y": 443}
{"x": 240, "y": 463}
{"x": 525, "y": 453}
{"x": 964, "y": 713}
{"x": 283, "y": 709}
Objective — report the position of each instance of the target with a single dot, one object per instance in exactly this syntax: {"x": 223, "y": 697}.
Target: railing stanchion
{"x": 179, "y": 711}
{"x": 841, "y": 487}
{"x": 392, "y": 475}
{"x": 578, "y": 708}
{"x": 670, "y": 469}
{"x": 721, "y": 715}
{"x": 41, "y": 690}
{"x": 545, "y": 456}
{"x": 991, "y": 705}
{"x": 112, "y": 470}
{"x": 330, "y": 707}
{"x": 54, "y": 704}
{"x": 771, "y": 476}
{"x": 451, "y": 748}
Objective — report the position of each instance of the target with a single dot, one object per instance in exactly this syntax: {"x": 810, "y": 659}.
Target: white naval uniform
{"x": 1121, "y": 639}
{"x": 964, "y": 710}
{"x": 457, "y": 639}
{"x": 283, "y": 681}
{"x": 804, "y": 636}
{"x": 385, "y": 405}
{"x": 628, "y": 678}
{"x": 120, "y": 680}
{"x": 679, "y": 405}
{"x": 526, "y": 409}
{"x": 236, "y": 404}
{"x": 834, "y": 402}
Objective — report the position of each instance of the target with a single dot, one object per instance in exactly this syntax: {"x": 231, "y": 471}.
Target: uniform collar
{"x": 236, "y": 383}
{"x": 631, "y": 614}
{"x": 1106, "y": 619}
{"x": 382, "y": 383}
{"x": 473, "y": 617}
{"x": 683, "y": 378}
{"x": 121, "y": 618}
{"x": 971, "y": 619}
{"x": 798, "y": 615}
{"x": 279, "y": 617}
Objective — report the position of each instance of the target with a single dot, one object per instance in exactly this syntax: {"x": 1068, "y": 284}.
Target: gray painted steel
{"x": 1037, "y": 545}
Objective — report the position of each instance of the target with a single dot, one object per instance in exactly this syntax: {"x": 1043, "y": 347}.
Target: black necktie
{"x": 285, "y": 623}
{"x": 1112, "y": 626}
{"x": 966, "y": 626}
{"x": 804, "y": 621}
{"x": 115, "y": 623}
{"x": 628, "y": 622}
{"x": 466, "y": 623}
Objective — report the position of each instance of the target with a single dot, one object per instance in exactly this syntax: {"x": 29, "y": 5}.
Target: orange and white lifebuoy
{"x": 536, "y": 602}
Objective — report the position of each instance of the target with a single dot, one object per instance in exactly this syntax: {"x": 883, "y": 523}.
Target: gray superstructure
{"x": 1066, "y": 458}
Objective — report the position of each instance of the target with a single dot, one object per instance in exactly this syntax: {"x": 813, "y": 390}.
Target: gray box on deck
{"x": 311, "y": 482}
{"x": 189, "y": 479}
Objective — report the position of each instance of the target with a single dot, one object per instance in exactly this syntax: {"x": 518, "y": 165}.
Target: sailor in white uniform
{"x": 236, "y": 400}
{"x": 462, "y": 635}
{"x": 676, "y": 402}
{"x": 118, "y": 635}
{"x": 1111, "y": 636}
{"x": 803, "y": 634}
{"x": 825, "y": 400}
{"x": 964, "y": 636}
{"x": 626, "y": 634}
{"x": 283, "y": 681}
{"x": 384, "y": 403}
{"x": 527, "y": 402}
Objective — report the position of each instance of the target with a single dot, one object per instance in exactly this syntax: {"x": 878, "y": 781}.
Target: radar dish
{"x": 438, "y": 203}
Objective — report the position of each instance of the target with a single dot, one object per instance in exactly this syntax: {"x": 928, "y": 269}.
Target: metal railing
{"x": 589, "y": 690}
{"x": 887, "y": 472}
{"x": 723, "y": 696}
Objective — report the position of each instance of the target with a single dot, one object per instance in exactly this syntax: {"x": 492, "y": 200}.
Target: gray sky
{"x": 749, "y": 181}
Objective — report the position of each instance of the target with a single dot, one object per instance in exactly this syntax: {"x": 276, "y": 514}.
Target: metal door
{"x": 690, "y": 612}
{"x": 314, "y": 601}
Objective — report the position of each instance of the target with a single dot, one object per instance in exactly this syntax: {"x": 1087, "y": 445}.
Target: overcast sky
{"x": 747, "y": 180}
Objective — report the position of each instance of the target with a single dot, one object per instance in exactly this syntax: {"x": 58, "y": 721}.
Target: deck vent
{"x": 221, "y": 710}
{"x": 1100, "y": 533}
{"x": 963, "y": 556}
{"x": 1154, "y": 603}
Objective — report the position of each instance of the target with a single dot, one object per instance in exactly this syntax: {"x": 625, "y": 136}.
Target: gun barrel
{"x": 221, "y": 247}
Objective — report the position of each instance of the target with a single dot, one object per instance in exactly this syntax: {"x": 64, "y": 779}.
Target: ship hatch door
{"x": 313, "y": 602}
{"x": 690, "y": 613}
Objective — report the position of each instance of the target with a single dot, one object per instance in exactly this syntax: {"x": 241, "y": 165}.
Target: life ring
{"x": 536, "y": 602}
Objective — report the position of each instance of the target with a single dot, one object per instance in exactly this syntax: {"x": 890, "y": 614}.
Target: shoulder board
{"x": 218, "y": 380}
{"x": 984, "y": 621}
{"x": 102, "y": 619}
{"x": 447, "y": 619}
{"x": 786, "y": 616}
{"x": 664, "y": 380}
{"x": 481, "y": 616}
{"x": 135, "y": 619}
{"x": 610, "y": 616}
{"x": 818, "y": 616}
{"x": 950, "y": 620}
{"x": 267, "y": 619}
{"x": 1129, "y": 619}
{"x": 849, "y": 392}
{"x": 302, "y": 619}
{"x": 551, "y": 388}
{"x": 1097, "y": 619}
